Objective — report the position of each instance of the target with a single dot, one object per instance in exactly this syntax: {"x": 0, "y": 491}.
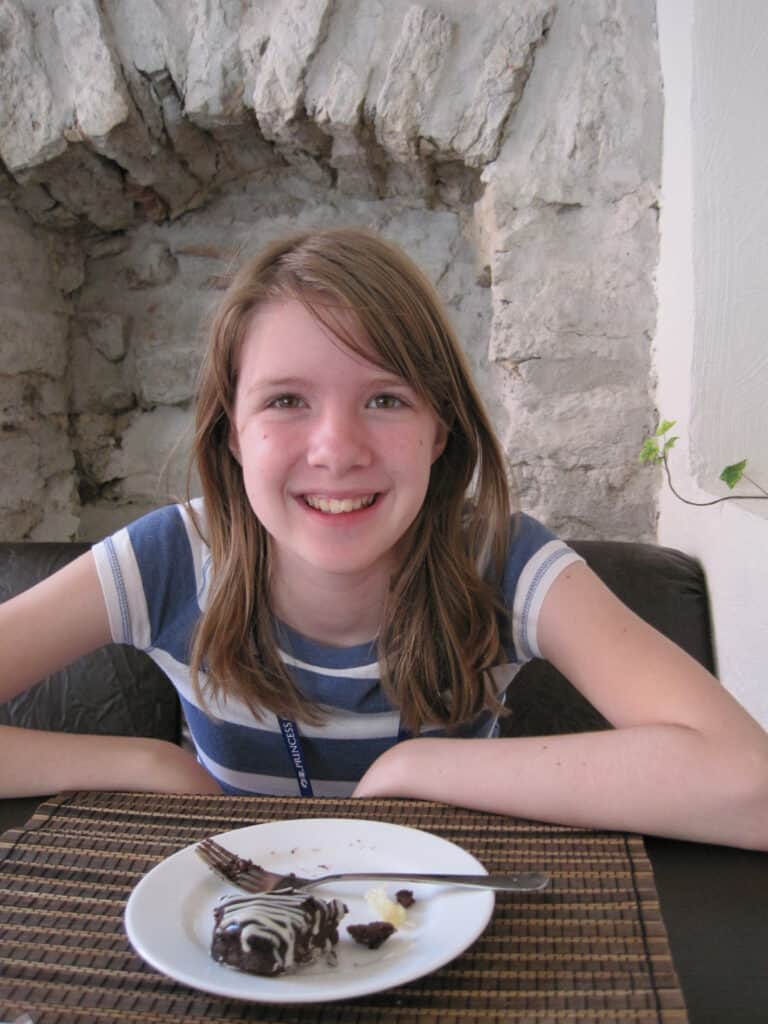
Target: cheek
{"x": 416, "y": 452}
{"x": 266, "y": 452}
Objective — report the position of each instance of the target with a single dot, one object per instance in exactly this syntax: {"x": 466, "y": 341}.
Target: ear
{"x": 441, "y": 440}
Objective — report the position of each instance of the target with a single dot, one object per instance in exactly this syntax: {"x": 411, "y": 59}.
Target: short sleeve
{"x": 152, "y": 574}
{"x": 535, "y": 559}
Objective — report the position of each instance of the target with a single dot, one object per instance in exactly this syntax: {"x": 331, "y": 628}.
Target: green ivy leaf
{"x": 670, "y": 443}
{"x": 664, "y": 426}
{"x": 650, "y": 451}
{"x": 732, "y": 474}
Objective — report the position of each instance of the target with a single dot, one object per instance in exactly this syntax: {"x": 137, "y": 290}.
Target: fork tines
{"x": 238, "y": 870}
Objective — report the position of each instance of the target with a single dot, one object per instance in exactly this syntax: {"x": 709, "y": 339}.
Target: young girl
{"x": 343, "y": 609}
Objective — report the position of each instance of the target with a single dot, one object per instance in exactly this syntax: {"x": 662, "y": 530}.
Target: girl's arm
{"x": 36, "y": 763}
{"x": 685, "y": 760}
{"x": 41, "y": 631}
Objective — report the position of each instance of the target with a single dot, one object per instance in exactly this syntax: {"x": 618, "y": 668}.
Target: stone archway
{"x": 514, "y": 152}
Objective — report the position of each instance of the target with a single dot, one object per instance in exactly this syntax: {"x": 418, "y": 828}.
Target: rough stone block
{"x": 588, "y": 127}
{"x": 31, "y": 396}
{"x": 36, "y": 466}
{"x": 100, "y": 382}
{"x": 33, "y": 341}
{"x": 85, "y": 187}
{"x": 94, "y": 439}
{"x": 155, "y": 265}
{"x": 98, "y": 91}
{"x": 28, "y": 276}
{"x": 480, "y": 110}
{"x": 61, "y": 510}
{"x": 32, "y": 121}
{"x": 214, "y": 80}
{"x": 298, "y": 28}
{"x": 414, "y": 73}
{"x": 151, "y": 460}
{"x": 166, "y": 356}
{"x": 67, "y": 264}
{"x": 572, "y": 270}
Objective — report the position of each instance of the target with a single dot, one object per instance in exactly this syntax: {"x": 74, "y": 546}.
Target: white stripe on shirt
{"x": 537, "y": 577}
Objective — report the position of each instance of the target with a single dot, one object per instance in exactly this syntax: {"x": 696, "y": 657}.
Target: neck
{"x": 332, "y": 609}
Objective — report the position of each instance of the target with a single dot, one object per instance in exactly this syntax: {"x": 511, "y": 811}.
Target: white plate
{"x": 169, "y": 915}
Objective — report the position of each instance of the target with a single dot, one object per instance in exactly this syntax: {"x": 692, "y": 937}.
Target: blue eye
{"x": 386, "y": 402}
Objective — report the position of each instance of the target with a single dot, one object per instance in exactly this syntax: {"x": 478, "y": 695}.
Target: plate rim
{"x": 368, "y": 984}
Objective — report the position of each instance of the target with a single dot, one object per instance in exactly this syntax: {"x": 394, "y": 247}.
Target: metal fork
{"x": 250, "y": 877}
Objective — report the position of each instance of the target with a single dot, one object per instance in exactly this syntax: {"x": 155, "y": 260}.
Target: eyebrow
{"x": 277, "y": 382}
{"x": 286, "y": 383}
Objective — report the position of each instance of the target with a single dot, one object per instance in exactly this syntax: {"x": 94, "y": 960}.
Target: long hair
{"x": 441, "y": 628}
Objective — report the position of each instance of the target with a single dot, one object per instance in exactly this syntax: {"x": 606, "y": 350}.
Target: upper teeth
{"x": 335, "y": 505}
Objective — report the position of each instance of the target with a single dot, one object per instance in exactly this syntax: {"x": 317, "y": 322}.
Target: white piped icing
{"x": 283, "y": 921}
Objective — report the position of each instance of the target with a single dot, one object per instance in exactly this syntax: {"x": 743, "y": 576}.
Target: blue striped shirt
{"x": 155, "y": 575}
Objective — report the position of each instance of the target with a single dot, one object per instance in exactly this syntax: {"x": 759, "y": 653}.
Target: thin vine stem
{"x": 715, "y": 501}
{"x": 757, "y": 485}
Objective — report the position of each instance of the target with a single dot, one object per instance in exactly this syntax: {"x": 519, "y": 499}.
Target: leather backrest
{"x": 663, "y": 586}
{"x": 116, "y": 690}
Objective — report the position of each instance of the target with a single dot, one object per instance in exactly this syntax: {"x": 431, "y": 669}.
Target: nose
{"x": 339, "y": 441}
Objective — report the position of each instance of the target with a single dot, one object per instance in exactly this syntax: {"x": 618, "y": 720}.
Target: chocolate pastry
{"x": 269, "y": 933}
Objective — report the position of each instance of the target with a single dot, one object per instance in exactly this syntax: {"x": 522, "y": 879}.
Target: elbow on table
{"x": 748, "y": 792}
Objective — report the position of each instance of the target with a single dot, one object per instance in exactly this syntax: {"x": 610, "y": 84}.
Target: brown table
{"x": 593, "y": 948}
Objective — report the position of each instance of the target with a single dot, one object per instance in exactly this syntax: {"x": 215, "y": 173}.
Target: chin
{"x": 339, "y": 563}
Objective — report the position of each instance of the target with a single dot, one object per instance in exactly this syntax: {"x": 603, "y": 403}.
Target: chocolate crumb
{"x": 405, "y": 898}
{"x": 372, "y": 934}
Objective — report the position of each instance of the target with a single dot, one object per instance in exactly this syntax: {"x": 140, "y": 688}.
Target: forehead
{"x": 290, "y": 328}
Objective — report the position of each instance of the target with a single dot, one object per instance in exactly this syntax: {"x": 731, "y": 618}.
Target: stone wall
{"x": 513, "y": 150}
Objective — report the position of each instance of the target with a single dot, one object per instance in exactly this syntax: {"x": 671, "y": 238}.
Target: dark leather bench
{"x": 120, "y": 691}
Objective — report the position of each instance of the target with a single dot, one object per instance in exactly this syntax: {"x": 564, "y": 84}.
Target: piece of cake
{"x": 405, "y": 898}
{"x": 270, "y": 933}
{"x": 372, "y": 934}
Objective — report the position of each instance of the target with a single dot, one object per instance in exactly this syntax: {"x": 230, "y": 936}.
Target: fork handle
{"x": 526, "y": 881}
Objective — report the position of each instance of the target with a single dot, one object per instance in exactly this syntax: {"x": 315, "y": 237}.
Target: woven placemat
{"x": 592, "y": 948}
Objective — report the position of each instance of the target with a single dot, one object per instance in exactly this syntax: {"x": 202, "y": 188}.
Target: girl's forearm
{"x": 35, "y": 763}
{"x": 659, "y": 779}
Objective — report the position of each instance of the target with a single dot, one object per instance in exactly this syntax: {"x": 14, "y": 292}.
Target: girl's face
{"x": 336, "y": 452}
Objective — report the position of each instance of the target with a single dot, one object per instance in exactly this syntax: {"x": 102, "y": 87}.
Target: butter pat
{"x": 385, "y": 908}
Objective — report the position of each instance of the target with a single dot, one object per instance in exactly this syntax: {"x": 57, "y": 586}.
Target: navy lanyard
{"x": 296, "y": 754}
{"x": 293, "y": 746}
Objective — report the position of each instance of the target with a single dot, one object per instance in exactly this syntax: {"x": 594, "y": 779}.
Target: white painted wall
{"x": 711, "y": 348}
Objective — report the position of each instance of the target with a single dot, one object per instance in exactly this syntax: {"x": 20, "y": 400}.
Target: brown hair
{"x": 440, "y": 630}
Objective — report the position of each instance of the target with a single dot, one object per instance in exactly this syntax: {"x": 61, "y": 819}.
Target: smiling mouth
{"x": 334, "y": 506}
